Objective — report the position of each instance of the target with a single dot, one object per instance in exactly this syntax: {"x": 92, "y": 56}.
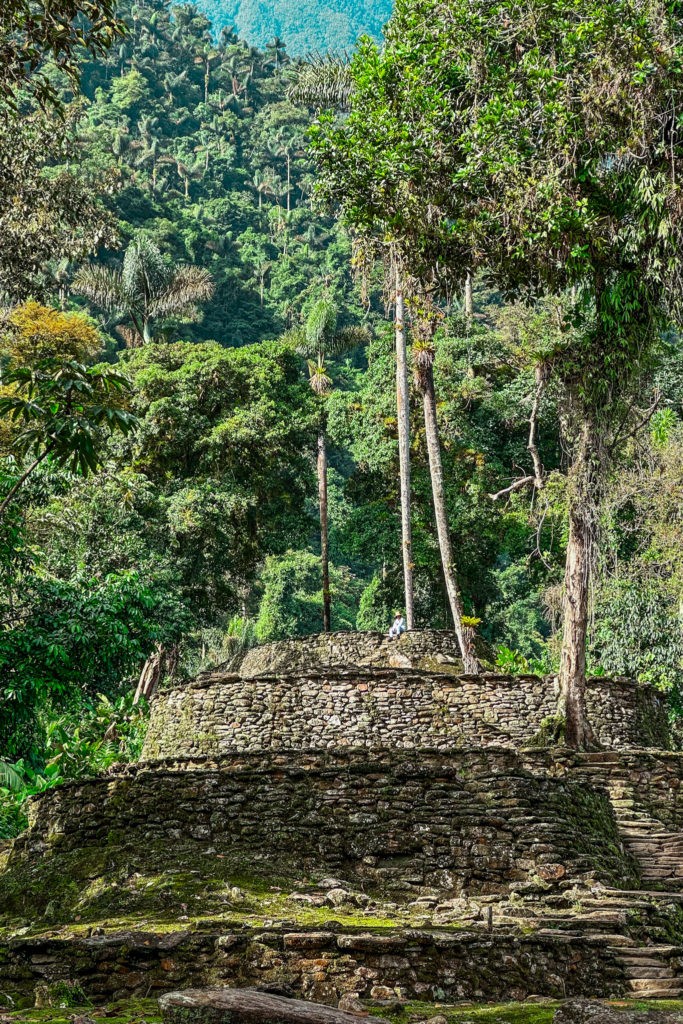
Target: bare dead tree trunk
{"x": 582, "y": 519}
{"x": 469, "y": 298}
{"x": 403, "y": 409}
{"x": 324, "y": 532}
{"x": 465, "y": 638}
{"x": 537, "y": 478}
{"x": 163, "y": 662}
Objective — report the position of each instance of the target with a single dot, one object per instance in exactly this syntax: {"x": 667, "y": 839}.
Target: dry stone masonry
{"x": 341, "y": 701}
{"x": 409, "y": 823}
{"x": 473, "y": 821}
{"x": 424, "y": 649}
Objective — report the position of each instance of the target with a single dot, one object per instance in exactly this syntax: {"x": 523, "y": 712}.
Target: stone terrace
{"x": 408, "y": 708}
{"x": 340, "y": 814}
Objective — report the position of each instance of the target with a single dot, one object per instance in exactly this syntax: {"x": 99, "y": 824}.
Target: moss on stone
{"x": 550, "y": 733}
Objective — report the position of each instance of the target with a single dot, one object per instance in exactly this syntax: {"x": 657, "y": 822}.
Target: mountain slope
{"x": 306, "y": 26}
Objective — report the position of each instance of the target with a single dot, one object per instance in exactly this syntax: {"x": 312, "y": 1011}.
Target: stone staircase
{"x": 628, "y": 924}
{"x": 631, "y": 922}
{"x": 658, "y": 851}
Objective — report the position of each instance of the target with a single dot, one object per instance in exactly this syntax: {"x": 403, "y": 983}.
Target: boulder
{"x": 245, "y": 1006}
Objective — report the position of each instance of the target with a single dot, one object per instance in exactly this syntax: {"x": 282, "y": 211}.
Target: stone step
{"x": 655, "y": 992}
{"x": 649, "y": 972}
{"x": 637, "y": 962}
{"x": 653, "y": 894}
{"x": 636, "y": 949}
{"x": 624, "y": 905}
{"x": 663, "y": 984}
{"x": 669, "y": 846}
{"x": 615, "y": 943}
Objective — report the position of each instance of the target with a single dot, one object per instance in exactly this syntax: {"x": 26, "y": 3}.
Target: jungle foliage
{"x": 181, "y": 259}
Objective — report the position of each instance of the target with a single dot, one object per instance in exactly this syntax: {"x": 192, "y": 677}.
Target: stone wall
{"x": 221, "y": 712}
{"x": 320, "y": 965}
{"x": 469, "y": 821}
{"x": 646, "y": 782}
{"x": 474, "y": 821}
{"x": 421, "y": 649}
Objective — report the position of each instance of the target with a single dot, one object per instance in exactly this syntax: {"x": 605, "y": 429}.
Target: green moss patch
{"x": 114, "y": 889}
{"x": 129, "y": 1011}
{"x": 507, "y": 1013}
{"x": 146, "y": 1011}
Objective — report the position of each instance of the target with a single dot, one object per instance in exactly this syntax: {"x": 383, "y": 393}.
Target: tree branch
{"x": 537, "y": 478}
{"x": 22, "y": 479}
{"x": 619, "y": 438}
{"x": 516, "y": 486}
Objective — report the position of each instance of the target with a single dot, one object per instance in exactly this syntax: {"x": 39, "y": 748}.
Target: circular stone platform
{"x": 361, "y": 690}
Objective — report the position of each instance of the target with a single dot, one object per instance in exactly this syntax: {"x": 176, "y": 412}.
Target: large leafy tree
{"x": 60, "y": 409}
{"x": 34, "y": 33}
{"x": 49, "y": 209}
{"x": 148, "y": 289}
{"x": 542, "y": 140}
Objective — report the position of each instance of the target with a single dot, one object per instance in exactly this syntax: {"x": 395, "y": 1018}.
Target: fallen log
{"x": 245, "y": 1006}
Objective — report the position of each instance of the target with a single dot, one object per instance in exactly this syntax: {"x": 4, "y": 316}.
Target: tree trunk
{"x": 150, "y": 676}
{"x": 465, "y": 639}
{"x": 469, "y": 298}
{"x": 403, "y": 406}
{"x": 324, "y": 536}
{"x": 582, "y": 498}
{"x": 163, "y": 662}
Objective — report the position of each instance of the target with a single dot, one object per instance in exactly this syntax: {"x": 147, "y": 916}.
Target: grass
{"x": 53, "y": 897}
{"x": 146, "y": 1011}
{"x": 104, "y": 886}
{"x": 508, "y": 1013}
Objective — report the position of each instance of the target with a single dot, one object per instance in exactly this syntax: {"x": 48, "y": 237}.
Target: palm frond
{"x": 322, "y": 82}
{"x": 320, "y": 381}
{"x": 145, "y": 272}
{"x": 321, "y": 324}
{"x": 102, "y": 286}
{"x": 9, "y": 777}
{"x": 346, "y": 339}
{"x": 188, "y": 286}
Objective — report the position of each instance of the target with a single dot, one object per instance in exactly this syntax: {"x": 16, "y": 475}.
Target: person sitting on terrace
{"x": 397, "y": 627}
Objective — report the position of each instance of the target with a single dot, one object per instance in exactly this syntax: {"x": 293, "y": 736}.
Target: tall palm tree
{"x": 147, "y": 288}
{"x": 326, "y": 82}
{"x": 403, "y": 421}
{"x": 276, "y": 52}
{"x": 319, "y": 340}
{"x": 423, "y": 359}
{"x": 285, "y": 143}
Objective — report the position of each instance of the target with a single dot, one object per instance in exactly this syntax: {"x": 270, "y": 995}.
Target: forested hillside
{"x": 316, "y": 26}
{"x": 207, "y": 156}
